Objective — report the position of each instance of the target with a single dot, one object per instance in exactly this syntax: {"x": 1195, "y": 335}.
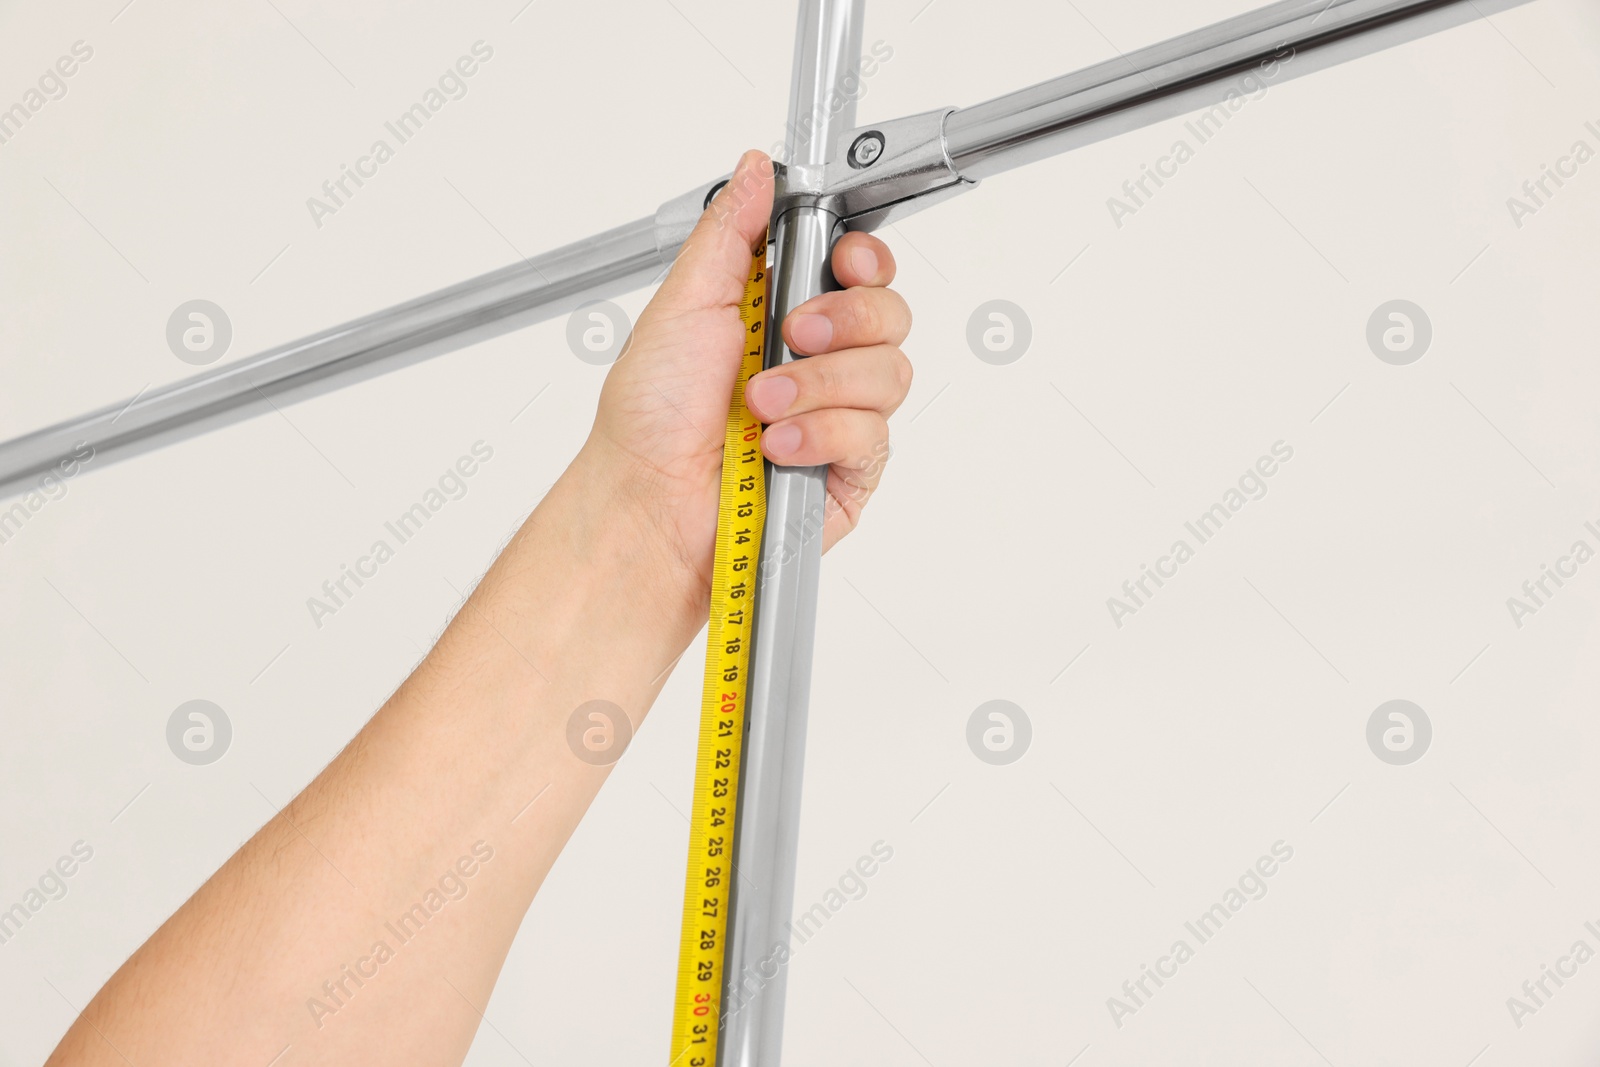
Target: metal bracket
{"x": 881, "y": 173}
{"x": 675, "y": 218}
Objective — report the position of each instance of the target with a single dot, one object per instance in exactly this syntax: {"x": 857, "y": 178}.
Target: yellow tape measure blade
{"x": 708, "y": 882}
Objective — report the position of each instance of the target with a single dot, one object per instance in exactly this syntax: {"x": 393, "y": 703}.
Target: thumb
{"x": 715, "y": 260}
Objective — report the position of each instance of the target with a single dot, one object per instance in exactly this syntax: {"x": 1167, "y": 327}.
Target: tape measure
{"x": 708, "y": 884}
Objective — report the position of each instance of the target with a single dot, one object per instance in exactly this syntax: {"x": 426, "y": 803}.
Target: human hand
{"x": 592, "y": 601}
{"x": 659, "y": 430}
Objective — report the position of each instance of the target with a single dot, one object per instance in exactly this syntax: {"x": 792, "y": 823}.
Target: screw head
{"x": 866, "y": 149}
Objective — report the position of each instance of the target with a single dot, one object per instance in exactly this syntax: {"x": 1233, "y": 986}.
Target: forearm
{"x": 467, "y": 768}
{"x": 368, "y": 921}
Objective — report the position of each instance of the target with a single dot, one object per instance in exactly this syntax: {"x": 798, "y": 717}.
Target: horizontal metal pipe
{"x": 1187, "y": 73}
{"x": 518, "y": 295}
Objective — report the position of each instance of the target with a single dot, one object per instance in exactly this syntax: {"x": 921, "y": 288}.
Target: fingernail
{"x": 771, "y": 395}
{"x": 865, "y": 262}
{"x": 811, "y": 333}
{"x": 781, "y": 441}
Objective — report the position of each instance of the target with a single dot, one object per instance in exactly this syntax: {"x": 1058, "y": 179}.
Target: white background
{"x": 1222, "y": 317}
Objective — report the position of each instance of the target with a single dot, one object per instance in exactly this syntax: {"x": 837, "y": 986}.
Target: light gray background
{"x": 1229, "y": 313}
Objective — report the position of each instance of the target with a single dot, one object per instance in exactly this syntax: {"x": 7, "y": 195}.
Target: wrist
{"x": 629, "y": 508}
{"x": 600, "y": 563}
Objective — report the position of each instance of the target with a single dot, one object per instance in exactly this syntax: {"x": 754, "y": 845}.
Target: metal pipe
{"x": 518, "y": 295}
{"x": 767, "y": 827}
{"x": 1188, "y": 73}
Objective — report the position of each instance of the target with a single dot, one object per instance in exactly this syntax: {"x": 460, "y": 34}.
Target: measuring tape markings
{"x": 741, "y": 514}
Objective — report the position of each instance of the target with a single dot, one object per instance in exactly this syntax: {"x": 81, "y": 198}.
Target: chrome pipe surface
{"x": 518, "y": 295}
{"x": 1189, "y": 72}
{"x": 1186, "y": 73}
{"x": 767, "y": 826}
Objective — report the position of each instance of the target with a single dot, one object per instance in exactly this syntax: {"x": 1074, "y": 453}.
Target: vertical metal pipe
{"x": 766, "y": 838}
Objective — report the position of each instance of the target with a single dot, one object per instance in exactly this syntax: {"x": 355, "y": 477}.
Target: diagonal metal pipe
{"x": 1186, "y": 73}
{"x": 1189, "y": 72}
{"x": 608, "y": 264}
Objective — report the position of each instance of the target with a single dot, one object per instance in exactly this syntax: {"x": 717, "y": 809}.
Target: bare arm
{"x": 369, "y": 919}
